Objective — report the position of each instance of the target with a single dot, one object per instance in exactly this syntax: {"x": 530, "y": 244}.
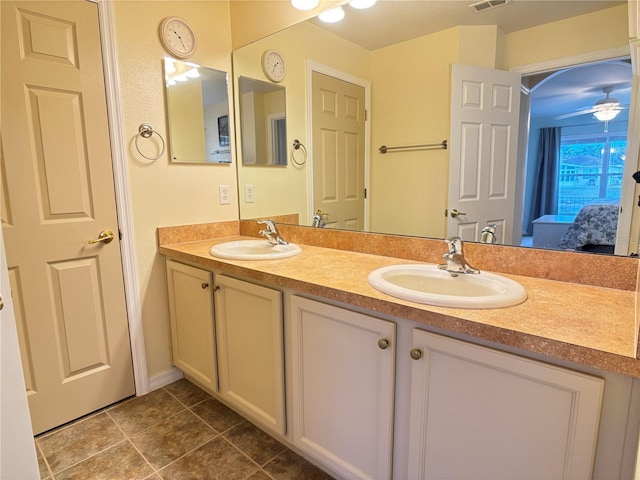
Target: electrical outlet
{"x": 248, "y": 194}
{"x": 225, "y": 195}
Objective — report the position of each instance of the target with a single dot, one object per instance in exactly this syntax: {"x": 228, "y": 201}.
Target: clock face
{"x": 273, "y": 65}
{"x": 178, "y": 37}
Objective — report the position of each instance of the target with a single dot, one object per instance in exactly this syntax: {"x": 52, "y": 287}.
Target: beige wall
{"x": 164, "y": 193}
{"x": 410, "y": 106}
{"x": 187, "y": 126}
{"x": 283, "y": 190}
{"x": 586, "y": 33}
{"x": 252, "y": 20}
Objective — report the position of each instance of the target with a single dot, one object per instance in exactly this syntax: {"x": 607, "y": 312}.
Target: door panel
{"x": 58, "y": 181}
{"x": 338, "y": 151}
{"x": 484, "y": 134}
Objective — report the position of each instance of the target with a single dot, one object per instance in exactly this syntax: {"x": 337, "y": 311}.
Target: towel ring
{"x": 298, "y": 146}
{"x": 145, "y": 131}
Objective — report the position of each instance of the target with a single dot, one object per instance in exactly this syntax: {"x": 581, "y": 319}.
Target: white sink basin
{"x": 426, "y": 283}
{"x": 253, "y": 250}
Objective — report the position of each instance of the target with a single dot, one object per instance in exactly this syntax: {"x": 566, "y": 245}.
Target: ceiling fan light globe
{"x": 606, "y": 114}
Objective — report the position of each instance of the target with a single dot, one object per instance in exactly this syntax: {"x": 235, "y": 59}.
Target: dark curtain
{"x": 545, "y": 193}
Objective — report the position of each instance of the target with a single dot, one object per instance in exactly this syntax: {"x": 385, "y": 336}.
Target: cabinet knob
{"x": 383, "y": 343}
{"x": 416, "y": 353}
{"x": 204, "y": 286}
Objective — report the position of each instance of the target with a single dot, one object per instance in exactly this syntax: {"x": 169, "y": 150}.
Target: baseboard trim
{"x": 165, "y": 378}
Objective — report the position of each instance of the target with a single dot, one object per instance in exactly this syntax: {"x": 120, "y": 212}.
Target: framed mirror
{"x": 407, "y": 66}
{"x": 198, "y": 113}
{"x": 263, "y": 122}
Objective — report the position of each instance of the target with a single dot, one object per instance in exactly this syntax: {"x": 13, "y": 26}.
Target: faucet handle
{"x": 271, "y": 232}
{"x": 271, "y": 226}
{"x": 455, "y": 244}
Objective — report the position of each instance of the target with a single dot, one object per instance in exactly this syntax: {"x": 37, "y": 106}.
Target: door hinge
{"x": 365, "y": 193}
{"x": 366, "y": 115}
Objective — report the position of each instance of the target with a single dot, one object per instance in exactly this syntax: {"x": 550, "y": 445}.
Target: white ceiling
{"x": 578, "y": 88}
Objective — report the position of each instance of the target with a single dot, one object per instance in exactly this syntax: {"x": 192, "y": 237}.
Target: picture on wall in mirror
{"x": 223, "y": 131}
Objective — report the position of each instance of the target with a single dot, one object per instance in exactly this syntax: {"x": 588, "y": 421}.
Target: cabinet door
{"x": 249, "y": 326}
{"x": 191, "y": 316}
{"x": 481, "y": 413}
{"x": 343, "y": 388}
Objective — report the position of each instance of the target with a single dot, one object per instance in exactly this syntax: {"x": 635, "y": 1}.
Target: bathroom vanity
{"x": 370, "y": 386}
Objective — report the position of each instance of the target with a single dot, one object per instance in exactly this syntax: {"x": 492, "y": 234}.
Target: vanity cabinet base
{"x": 343, "y": 386}
{"x": 191, "y": 317}
{"x": 249, "y": 324}
{"x": 482, "y": 413}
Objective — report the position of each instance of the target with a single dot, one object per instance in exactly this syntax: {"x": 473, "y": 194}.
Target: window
{"x": 590, "y": 170}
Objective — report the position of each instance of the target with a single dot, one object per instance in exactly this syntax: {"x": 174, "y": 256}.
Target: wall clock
{"x": 178, "y": 37}
{"x": 273, "y": 65}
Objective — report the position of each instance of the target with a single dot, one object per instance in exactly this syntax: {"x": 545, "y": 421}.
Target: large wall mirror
{"x": 198, "y": 113}
{"x": 571, "y": 57}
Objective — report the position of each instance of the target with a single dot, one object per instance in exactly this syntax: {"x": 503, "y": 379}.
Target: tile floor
{"x": 176, "y": 432}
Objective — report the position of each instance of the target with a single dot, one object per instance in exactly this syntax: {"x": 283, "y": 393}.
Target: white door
{"x": 485, "y": 108}
{"x": 338, "y": 112}
{"x": 17, "y": 448}
{"x": 343, "y": 377}
{"x": 58, "y": 194}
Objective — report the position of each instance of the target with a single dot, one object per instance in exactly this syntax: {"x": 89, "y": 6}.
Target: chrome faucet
{"x": 488, "y": 234}
{"x": 271, "y": 233}
{"x": 454, "y": 259}
{"x": 318, "y": 219}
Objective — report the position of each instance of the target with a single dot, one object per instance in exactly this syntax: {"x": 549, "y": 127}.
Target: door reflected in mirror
{"x": 263, "y": 124}
{"x": 198, "y": 112}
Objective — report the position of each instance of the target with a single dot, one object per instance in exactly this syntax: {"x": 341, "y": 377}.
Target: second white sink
{"x": 426, "y": 283}
{"x": 253, "y": 250}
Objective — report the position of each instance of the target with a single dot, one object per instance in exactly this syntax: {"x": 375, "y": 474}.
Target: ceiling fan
{"x": 605, "y": 109}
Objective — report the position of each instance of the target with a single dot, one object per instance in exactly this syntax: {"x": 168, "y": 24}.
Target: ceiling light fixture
{"x": 607, "y": 113}
{"x": 362, "y": 4}
{"x": 332, "y": 16}
{"x": 305, "y": 4}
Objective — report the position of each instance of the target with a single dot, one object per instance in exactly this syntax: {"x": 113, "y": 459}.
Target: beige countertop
{"x": 585, "y": 324}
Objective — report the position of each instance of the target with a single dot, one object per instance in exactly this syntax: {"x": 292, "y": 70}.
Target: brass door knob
{"x": 105, "y": 236}
{"x": 455, "y": 212}
{"x": 1, "y": 304}
{"x": 383, "y": 343}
